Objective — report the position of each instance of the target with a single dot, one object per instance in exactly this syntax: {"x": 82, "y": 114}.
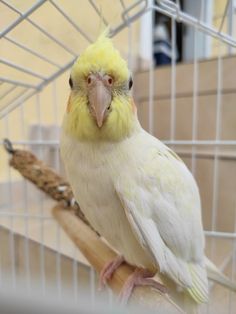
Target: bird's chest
{"x": 92, "y": 176}
{"x": 95, "y": 193}
{"x": 93, "y": 187}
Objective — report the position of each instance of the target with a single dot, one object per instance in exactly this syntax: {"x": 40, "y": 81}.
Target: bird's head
{"x": 100, "y": 106}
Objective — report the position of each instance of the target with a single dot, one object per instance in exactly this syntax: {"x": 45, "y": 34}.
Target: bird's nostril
{"x": 89, "y": 80}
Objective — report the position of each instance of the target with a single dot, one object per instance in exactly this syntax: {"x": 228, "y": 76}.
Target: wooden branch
{"x": 46, "y": 179}
{"x": 98, "y": 254}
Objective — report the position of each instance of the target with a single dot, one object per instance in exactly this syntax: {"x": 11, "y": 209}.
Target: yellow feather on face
{"x": 100, "y": 56}
{"x": 80, "y": 124}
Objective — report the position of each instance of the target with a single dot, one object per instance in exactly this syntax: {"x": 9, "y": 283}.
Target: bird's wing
{"x": 162, "y": 204}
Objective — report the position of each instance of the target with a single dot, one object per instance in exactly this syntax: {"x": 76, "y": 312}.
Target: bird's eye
{"x": 70, "y": 82}
{"x": 130, "y": 83}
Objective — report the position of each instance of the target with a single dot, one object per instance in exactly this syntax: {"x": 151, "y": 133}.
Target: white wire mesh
{"x": 24, "y": 212}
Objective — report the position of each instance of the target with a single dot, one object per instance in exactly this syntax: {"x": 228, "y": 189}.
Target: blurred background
{"x": 182, "y": 56}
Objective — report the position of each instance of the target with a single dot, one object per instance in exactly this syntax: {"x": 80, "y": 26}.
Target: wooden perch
{"x": 98, "y": 254}
{"x": 72, "y": 220}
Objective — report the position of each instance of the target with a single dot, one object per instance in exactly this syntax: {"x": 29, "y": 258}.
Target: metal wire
{"x": 22, "y": 16}
{"x": 231, "y": 308}
{"x": 7, "y": 92}
{"x": 217, "y": 137}
{"x": 96, "y": 9}
{"x": 16, "y": 97}
{"x": 41, "y": 204}
{"x": 42, "y": 30}
{"x": 192, "y": 21}
{"x": 71, "y": 22}
{"x": 12, "y": 247}
{"x": 17, "y": 83}
{"x": 173, "y": 80}
{"x": 22, "y": 69}
{"x": 195, "y": 101}
{"x": 15, "y": 104}
{"x": 224, "y": 16}
{"x": 26, "y": 214}
{"x": 31, "y": 51}
{"x": 151, "y": 80}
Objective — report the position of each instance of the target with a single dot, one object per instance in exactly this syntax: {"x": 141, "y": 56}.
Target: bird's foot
{"x": 108, "y": 270}
{"x": 140, "y": 277}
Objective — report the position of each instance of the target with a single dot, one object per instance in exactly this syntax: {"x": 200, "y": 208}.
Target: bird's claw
{"x": 140, "y": 277}
{"x": 108, "y": 270}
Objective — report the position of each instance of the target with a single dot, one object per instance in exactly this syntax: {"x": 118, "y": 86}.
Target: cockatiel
{"x": 135, "y": 191}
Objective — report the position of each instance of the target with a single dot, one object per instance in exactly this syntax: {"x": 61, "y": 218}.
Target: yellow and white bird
{"x": 135, "y": 191}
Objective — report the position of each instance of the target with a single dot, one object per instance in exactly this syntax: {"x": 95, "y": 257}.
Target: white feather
{"x": 140, "y": 197}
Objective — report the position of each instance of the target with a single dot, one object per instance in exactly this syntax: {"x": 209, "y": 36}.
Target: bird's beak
{"x": 99, "y": 99}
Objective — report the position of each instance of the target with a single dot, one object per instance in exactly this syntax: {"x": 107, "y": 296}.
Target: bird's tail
{"x": 213, "y": 273}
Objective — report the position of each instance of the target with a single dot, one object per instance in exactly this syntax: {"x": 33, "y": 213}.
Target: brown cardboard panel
{"x": 225, "y": 192}
{"x": 204, "y": 177}
{"x": 228, "y": 116}
{"x": 161, "y": 118}
{"x": 162, "y": 86}
{"x": 207, "y": 80}
{"x": 226, "y": 208}
{"x": 206, "y": 117}
{"x": 228, "y": 68}
{"x": 183, "y": 120}
{"x": 207, "y": 76}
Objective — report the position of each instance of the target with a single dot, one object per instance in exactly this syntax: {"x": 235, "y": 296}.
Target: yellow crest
{"x": 101, "y": 56}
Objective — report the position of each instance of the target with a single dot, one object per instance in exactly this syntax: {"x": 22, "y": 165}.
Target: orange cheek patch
{"x": 68, "y": 107}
